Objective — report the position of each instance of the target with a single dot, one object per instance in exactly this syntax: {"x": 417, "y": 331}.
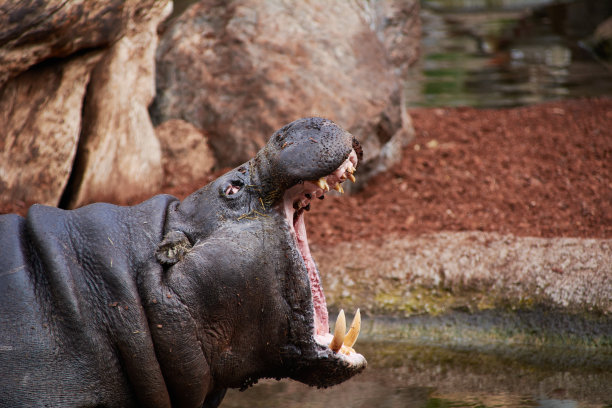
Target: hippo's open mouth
{"x": 296, "y": 201}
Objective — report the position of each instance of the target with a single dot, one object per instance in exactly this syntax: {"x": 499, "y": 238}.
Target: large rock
{"x": 397, "y": 25}
{"x": 119, "y": 156}
{"x": 40, "y": 121}
{"x": 32, "y": 31}
{"x": 49, "y": 79}
{"x": 241, "y": 69}
{"x": 186, "y": 156}
{"x": 601, "y": 40}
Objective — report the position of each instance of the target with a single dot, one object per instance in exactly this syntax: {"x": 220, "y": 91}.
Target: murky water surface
{"x": 403, "y": 375}
{"x": 502, "y": 53}
{"x": 487, "y": 359}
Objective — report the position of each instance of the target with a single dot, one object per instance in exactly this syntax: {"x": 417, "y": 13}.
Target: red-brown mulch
{"x": 543, "y": 171}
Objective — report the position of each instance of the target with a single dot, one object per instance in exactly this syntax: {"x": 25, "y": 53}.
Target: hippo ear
{"x": 172, "y": 249}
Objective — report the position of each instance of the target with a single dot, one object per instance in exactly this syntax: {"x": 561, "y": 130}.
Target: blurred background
{"x": 509, "y": 53}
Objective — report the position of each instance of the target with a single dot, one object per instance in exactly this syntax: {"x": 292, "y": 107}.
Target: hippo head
{"x": 241, "y": 297}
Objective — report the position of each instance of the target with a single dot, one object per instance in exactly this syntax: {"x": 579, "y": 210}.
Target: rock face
{"x": 119, "y": 156}
{"x": 40, "y": 116}
{"x": 397, "y": 26}
{"x": 32, "y": 31}
{"x": 601, "y": 40}
{"x": 439, "y": 272}
{"x": 186, "y": 156}
{"x": 59, "y": 60}
{"x": 240, "y": 70}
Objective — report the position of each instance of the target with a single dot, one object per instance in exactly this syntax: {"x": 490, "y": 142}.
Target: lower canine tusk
{"x": 339, "y": 331}
{"x": 353, "y": 333}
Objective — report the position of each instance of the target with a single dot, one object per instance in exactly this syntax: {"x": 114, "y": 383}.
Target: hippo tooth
{"x": 353, "y": 333}
{"x": 322, "y": 184}
{"x": 351, "y": 177}
{"x": 339, "y": 188}
{"x": 339, "y": 331}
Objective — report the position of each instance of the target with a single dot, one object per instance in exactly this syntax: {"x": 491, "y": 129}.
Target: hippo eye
{"x": 232, "y": 187}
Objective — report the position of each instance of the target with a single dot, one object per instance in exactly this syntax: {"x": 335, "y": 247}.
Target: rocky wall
{"x": 242, "y": 69}
{"x": 77, "y": 79}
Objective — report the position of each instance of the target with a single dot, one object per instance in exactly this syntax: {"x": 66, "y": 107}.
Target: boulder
{"x": 601, "y": 40}
{"x": 119, "y": 156}
{"x": 186, "y": 156}
{"x": 398, "y": 27}
{"x": 241, "y": 69}
{"x": 32, "y": 31}
{"x": 59, "y": 61}
{"x": 40, "y": 121}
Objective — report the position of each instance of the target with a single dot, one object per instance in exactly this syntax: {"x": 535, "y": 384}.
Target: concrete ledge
{"x": 436, "y": 273}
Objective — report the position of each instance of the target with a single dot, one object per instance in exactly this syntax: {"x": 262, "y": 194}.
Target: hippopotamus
{"x": 170, "y": 303}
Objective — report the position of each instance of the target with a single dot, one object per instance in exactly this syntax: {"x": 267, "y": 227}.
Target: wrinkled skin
{"x": 170, "y": 303}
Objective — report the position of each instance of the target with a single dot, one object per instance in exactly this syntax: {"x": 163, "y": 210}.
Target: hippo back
{"x": 72, "y": 328}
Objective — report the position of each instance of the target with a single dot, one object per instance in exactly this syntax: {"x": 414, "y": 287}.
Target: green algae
{"x": 406, "y": 301}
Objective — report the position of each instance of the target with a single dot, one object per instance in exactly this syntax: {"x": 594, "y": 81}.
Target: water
{"x": 495, "y": 53}
{"x": 405, "y": 375}
{"x": 488, "y": 359}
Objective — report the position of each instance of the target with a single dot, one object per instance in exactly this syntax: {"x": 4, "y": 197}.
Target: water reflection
{"x": 557, "y": 404}
{"x": 488, "y": 53}
{"x": 405, "y": 375}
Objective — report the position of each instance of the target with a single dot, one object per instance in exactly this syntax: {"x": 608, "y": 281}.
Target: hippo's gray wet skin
{"x": 170, "y": 303}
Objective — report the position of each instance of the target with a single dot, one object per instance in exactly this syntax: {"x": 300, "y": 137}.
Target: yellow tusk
{"x": 339, "y": 188}
{"x": 322, "y": 184}
{"x": 351, "y": 177}
{"x": 339, "y": 331}
{"x": 353, "y": 333}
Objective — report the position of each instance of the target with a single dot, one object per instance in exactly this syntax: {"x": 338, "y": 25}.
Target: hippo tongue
{"x": 296, "y": 201}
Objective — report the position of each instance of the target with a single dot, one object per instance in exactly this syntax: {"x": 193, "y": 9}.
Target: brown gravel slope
{"x": 542, "y": 171}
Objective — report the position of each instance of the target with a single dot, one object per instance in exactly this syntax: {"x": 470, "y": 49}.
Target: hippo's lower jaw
{"x": 341, "y": 359}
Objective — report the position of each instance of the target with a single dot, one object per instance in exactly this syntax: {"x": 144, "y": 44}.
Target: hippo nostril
{"x": 233, "y": 187}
